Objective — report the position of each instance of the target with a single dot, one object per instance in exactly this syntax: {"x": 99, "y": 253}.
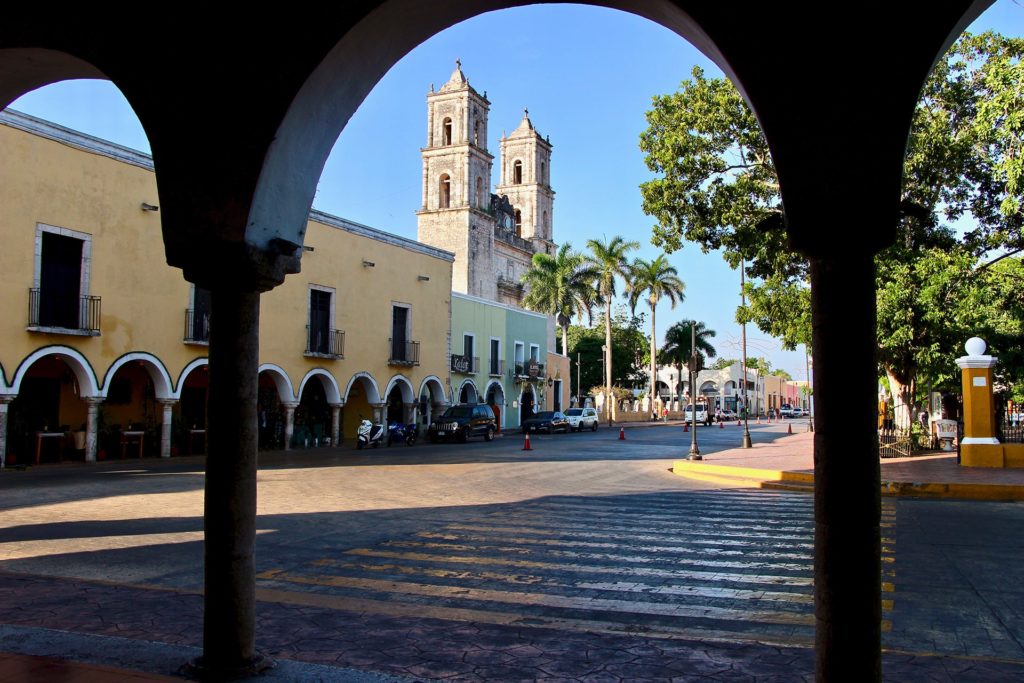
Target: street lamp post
{"x": 694, "y": 450}
{"x": 746, "y": 443}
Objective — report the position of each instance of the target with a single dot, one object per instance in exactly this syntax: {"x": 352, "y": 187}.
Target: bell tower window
{"x": 476, "y": 133}
{"x": 480, "y": 192}
{"x": 519, "y": 222}
{"x": 446, "y": 131}
{"x": 444, "y": 199}
{"x": 517, "y": 173}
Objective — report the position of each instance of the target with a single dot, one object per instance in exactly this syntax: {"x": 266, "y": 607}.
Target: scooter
{"x": 369, "y": 434}
{"x": 400, "y": 432}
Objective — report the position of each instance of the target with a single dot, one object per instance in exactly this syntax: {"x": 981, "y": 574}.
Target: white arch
{"x": 285, "y": 391}
{"x": 186, "y": 371}
{"x": 501, "y": 388}
{"x": 327, "y": 380}
{"x": 437, "y": 393}
{"x": 369, "y": 385}
{"x": 88, "y": 386}
{"x": 3, "y": 380}
{"x": 162, "y": 385}
{"x": 458, "y": 394}
{"x": 406, "y": 386}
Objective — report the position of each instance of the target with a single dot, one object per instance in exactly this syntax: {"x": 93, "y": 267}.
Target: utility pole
{"x": 579, "y": 389}
{"x": 746, "y": 403}
{"x": 807, "y": 369}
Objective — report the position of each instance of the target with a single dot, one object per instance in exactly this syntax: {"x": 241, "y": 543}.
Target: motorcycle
{"x": 369, "y": 434}
{"x": 400, "y": 432}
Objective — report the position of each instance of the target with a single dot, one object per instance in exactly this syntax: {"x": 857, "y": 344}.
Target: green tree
{"x": 654, "y": 280}
{"x": 717, "y": 186}
{"x": 723, "y": 363}
{"x": 609, "y": 260}
{"x": 677, "y": 349}
{"x": 561, "y": 286}
{"x": 629, "y": 346}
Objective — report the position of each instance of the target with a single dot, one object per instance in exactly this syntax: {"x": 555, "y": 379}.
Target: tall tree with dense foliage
{"x": 609, "y": 260}
{"x": 654, "y": 280}
{"x": 717, "y": 186}
{"x": 561, "y": 286}
{"x": 628, "y": 351}
{"x": 678, "y": 349}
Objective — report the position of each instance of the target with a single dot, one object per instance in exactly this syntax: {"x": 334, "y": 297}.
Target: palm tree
{"x": 677, "y": 350}
{"x": 657, "y": 279}
{"x": 608, "y": 259}
{"x": 560, "y": 286}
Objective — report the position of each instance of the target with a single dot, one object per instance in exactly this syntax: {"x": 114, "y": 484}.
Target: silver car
{"x": 582, "y": 418}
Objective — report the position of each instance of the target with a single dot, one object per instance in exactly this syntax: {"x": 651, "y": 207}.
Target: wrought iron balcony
{"x": 404, "y": 352}
{"x": 197, "y": 327}
{"x": 63, "y": 314}
{"x": 497, "y": 367}
{"x": 325, "y": 343}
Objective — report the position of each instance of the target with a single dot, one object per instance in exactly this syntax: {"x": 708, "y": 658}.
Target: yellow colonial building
{"x": 103, "y": 345}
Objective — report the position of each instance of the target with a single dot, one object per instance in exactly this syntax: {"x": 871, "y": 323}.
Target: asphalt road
{"x": 481, "y": 561}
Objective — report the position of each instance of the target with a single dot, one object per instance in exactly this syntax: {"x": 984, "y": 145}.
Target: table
{"x": 129, "y": 437}
{"x": 47, "y": 435}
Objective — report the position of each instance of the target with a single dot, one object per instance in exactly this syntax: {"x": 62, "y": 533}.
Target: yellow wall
{"x": 144, "y": 300}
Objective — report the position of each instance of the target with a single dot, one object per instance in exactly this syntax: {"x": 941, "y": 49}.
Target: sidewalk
{"x": 788, "y": 463}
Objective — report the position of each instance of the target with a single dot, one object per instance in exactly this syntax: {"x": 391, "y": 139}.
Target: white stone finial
{"x": 975, "y": 346}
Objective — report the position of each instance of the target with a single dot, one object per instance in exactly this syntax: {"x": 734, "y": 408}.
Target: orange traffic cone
{"x": 526, "y": 443}
{"x": 686, "y": 426}
{"x": 721, "y": 425}
{"x": 622, "y": 433}
{"x": 738, "y": 423}
{"x": 758, "y": 419}
{"x": 790, "y": 428}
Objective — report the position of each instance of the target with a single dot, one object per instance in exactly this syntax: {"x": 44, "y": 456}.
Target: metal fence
{"x": 1010, "y": 428}
{"x": 899, "y": 436}
{"x": 71, "y": 313}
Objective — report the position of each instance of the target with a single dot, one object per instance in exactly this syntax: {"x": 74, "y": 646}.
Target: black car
{"x": 462, "y": 422}
{"x": 547, "y": 421}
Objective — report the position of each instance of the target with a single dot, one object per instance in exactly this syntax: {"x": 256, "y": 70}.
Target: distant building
{"x": 492, "y": 235}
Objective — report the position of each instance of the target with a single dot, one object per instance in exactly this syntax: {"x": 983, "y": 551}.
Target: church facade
{"x": 493, "y": 235}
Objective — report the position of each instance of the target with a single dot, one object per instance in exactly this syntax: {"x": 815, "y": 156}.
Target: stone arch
{"x": 431, "y": 394}
{"x": 468, "y": 391}
{"x": 403, "y": 383}
{"x": 329, "y": 383}
{"x": 285, "y": 391}
{"x": 495, "y": 391}
{"x": 88, "y": 386}
{"x": 163, "y": 387}
{"x": 3, "y": 380}
{"x": 369, "y": 385}
{"x": 186, "y": 371}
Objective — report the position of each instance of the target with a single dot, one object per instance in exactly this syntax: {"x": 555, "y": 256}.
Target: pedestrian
{"x": 718, "y": 414}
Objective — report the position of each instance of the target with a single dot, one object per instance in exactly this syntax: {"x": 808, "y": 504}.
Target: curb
{"x": 782, "y": 480}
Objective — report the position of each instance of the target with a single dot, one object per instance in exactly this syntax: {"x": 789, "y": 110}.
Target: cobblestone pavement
{"x": 574, "y": 568}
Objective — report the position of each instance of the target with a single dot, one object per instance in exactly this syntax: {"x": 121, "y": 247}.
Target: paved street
{"x": 584, "y": 559}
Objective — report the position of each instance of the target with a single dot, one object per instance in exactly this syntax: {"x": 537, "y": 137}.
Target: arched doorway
{"x": 48, "y": 419}
{"x": 362, "y": 401}
{"x": 496, "y": 400}
{"x": 527, "y": 403}
{"x": 193, "y": 390}
{"x": 432, "y": 399}
{"x": 468, "y": 393}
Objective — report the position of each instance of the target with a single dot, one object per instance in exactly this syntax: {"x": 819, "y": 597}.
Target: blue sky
{"x": 587, "y": 76}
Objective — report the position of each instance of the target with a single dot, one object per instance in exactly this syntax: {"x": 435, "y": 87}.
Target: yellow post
{"x": 979, "y": 446}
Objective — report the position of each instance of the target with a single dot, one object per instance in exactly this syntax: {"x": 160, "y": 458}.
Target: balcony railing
{"x": 197, "y": 327}
{"x": 497, "y": 367}
{"x": 325, "y": 343}
{"x": 404, "y": 352}
{"x": 466, "y": 365}
{"x": 530, "y": 369}
{"x": 76, "y": 314}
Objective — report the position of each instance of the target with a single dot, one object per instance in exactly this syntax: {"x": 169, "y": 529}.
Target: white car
{"x": 582, "y": 418}
{"x": 702, "y": 413}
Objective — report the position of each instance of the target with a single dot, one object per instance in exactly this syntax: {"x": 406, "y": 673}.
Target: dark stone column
{"x": 229, "y": 621}
{"x": 847, "y": 499}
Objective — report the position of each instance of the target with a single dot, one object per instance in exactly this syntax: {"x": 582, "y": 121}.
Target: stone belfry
{"x": 526, "y": 181}
{"x": 457, "y": 184}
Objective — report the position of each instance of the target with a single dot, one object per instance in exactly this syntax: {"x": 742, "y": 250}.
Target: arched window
{"x": 544, "y": 223}
{"x": 519, "y": 221}
{"x": 476, "y": 134}
{"x": 480, "y": 192}
{"x": 517, "y": 173}
{"x": 444, "y": 199}
{"x": 543, "y": 172}
{"x": 446, "y": 131}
